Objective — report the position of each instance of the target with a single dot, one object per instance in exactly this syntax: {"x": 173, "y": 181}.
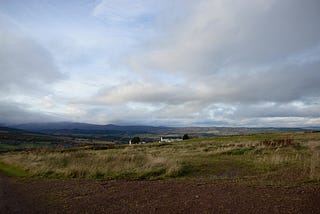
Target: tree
{"x": 135, "y": 140}
{"x": 185, "y": 137}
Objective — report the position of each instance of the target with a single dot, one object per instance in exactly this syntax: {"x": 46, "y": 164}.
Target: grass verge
{"x": 12, "y": 171}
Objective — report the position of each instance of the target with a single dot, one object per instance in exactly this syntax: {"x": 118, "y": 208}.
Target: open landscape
{"x": 273, "y": 158}
{"x": 278, "y": 172}
{"x": 160, "y": 106}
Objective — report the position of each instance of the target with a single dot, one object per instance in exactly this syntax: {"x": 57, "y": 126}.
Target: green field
{"x": 273, "y": 158}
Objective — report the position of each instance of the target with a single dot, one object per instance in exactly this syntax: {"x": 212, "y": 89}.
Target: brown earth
{"x": 161, "y": 196}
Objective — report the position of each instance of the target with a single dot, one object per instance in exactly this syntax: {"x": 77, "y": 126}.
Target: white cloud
{"x": 207, "y": 62}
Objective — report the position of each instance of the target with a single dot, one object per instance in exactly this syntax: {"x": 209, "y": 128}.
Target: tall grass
{"x": 315, "y": 166}
{"x": 95, "y": 164}
{"x": 232, "y": 157}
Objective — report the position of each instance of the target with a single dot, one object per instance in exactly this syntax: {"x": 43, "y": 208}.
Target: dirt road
{"x": 12, "y": 200}
{"x": 121, "y": 196}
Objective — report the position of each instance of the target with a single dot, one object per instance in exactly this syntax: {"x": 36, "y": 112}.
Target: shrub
{"x": 135, "y": 140}
{"x": 185, "y": 137}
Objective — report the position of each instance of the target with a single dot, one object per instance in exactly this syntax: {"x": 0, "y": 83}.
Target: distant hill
{"x": 122, "y": 134}
{"x": 4, "y": 129}
{"x": 9, "y": 131}
{"x": 76, "y": 128}
{"x": 69, "y": 127}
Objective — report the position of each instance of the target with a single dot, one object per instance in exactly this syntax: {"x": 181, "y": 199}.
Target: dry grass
{"x": 94, "y": 164}
{"x": 315, "y": 166}
{"x": 220, "y": 157}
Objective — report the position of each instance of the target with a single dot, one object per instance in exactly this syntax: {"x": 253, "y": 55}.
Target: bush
{"x": 135, "y": 140}
{"x": 185, "y": 137}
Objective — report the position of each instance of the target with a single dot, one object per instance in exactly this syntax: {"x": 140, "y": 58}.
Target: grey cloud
{"x": 199, "y": 114}
{"x": 191, "y": 110}
{"x": 215, "y": 62}
{"x": 285, "y": 110}
{"x": 15, "y": 113}
{"x": 165, "y": 115}
{"x": 283, "y": 83}
{"x": 234, "y": 59}
{"x": 279, "y": 122}
{"x": 142, "y": 92}
{"x": 25, "y": 66}
{"x": 226, "y": 33}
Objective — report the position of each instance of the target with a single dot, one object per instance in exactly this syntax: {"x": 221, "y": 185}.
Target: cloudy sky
{"x": 168, "y": 62}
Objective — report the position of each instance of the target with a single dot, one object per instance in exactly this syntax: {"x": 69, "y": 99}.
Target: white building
{"x": 169, "y": 139}
{"x": 130, "y": 143}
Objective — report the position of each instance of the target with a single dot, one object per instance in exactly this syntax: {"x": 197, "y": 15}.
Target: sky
{"x": 253, "y": 63}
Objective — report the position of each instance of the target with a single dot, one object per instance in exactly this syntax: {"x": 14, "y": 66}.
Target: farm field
{"x": 273, "y": 172}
